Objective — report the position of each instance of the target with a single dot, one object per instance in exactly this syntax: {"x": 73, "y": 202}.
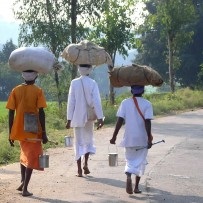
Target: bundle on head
{"x": 86, "y": 52}
{"x": 135, "y": 75}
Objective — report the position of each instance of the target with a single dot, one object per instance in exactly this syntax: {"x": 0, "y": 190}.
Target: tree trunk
{"x": 53, "y": 45}
{"x": 170, "y": 58}
{"x": 73, "y": 31}
{"x": 111, "y": 88}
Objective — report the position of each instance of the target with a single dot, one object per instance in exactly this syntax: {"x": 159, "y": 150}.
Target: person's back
{"x": 27, "y": 125}
{"x": 83, "y": 93}
{"x": 135, "y": 133}
{"x": 137, "y": 113}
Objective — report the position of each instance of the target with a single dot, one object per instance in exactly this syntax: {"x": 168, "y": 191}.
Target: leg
{"x": 86, "y": 170}
{"x": 129, "y": 188}
{"x": 79, "y": 168}
{"x": 28, "y": 174}
{"x": 136, "y": 189}
{"x": 22, "y": 169}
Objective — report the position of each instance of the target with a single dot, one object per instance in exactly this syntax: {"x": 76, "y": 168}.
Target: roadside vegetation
{"x": 163, "y": 104}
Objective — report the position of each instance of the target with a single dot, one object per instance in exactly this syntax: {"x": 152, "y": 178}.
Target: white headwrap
{"x": 84, "y": 70}
{"x": 29, "y": 76}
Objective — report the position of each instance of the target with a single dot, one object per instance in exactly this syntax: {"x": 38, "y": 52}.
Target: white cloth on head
{"x": 84, "y": 70}
{"x": 77, "y": 106}
{"x": 84, "y": 142}
{"x": 29, "y": 76}
{"x": 135, "y": 160}
{"x": 135, "y": 132}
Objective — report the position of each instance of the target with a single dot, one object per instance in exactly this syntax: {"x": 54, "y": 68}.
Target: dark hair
{"x": 29, "y": 71}
{"x": 85, "y": 65}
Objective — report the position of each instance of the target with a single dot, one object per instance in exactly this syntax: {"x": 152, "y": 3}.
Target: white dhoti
{"x": 84, "y": 142}
{"x": 135, "y": 160}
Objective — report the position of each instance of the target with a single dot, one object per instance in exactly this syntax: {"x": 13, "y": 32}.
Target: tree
{"x": 174, "y": 16}
{"x": 114, "y": 29}
{"x": 7, "y": 79}
{"x": 6, "y": 51}
{"x": 53, "y": 24}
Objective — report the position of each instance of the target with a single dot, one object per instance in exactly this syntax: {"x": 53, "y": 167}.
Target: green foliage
{"x": 6, "y": 51}
{"x": 8, "y": 154}
{"x": 163, "y": 104}
{"x": 172, "y": 20}
{"x": 181, "y": 100}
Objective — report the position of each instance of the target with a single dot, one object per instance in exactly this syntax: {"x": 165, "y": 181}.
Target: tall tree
{"x": 174, "y": 16}
{"x": 114, "y": 29}
{"x": 53, "y": 24}
{"x": 6, "y": 51}
{"x": 7, "y": 79}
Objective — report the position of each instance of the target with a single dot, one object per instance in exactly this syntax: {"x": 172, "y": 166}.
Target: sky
{"x": 8, "y": 25}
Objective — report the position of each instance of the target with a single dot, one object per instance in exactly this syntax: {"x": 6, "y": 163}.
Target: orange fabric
{"x": 25, "y": 98}
{"x": 29, "y": 154}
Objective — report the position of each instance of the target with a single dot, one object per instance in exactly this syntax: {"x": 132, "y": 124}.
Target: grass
{"x": 163, "y": 104}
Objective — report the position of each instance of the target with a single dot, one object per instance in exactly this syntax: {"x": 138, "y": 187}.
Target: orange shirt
{"x": 25, "y": 99}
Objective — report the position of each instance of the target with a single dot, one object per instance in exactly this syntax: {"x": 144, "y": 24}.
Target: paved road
{"x": 174, "y": 173}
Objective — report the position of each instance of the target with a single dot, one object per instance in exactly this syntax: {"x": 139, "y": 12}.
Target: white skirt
{"x": 135, "y": 160}
{"x": 84, "y": 142}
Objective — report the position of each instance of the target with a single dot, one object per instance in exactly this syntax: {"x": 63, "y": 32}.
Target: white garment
{"x": 29, "y": 76}
{"x": 135, "y": 133}
{"x": 135, "y": 160}
{"x": 77, "y": 108}
{"x": 84, "y": 70}
{"x": 84, "y": 142}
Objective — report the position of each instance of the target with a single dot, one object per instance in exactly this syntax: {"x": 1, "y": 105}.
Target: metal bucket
{"x": 68, "y": 141}
{"x": 113, "y": 158}
{"x": 44, "y": 161}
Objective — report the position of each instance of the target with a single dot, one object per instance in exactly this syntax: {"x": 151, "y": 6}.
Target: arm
{"x": 148, "y": 129}
{"x": 42, "y": 122}
{"x": 119, "y": 123}
{"x": 68, "y": 124}
{"x": 11, "y": 118}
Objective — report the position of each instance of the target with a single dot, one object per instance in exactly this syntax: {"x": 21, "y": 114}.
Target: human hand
{"x": 113, "y": 140}
{"x": 44, "y": 138}
{"x": 100, "y": 123}
{"x": 68, "y": 124}
{"x": 150, "y": 138}
{"x": 11, "y": 142}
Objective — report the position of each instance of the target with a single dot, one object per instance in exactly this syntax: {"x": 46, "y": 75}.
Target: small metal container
{"x": 68, "y": 141}
{"x": 113, "y": 158}
{"x": 44, "y": 161}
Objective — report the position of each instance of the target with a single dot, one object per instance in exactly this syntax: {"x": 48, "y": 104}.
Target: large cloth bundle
{"x": 86, "y": 52}
{"x": 32, "y": 58}
{"x": 134, "y": 75}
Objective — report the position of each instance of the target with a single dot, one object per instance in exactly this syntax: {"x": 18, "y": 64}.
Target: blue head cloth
{"x": 137, "y": 89}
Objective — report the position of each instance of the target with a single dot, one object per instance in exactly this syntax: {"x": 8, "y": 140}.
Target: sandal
{"x": 129, "y": 188}
{"x": 86, "y": 170}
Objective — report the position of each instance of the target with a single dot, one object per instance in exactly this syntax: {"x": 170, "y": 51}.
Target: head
{"x": 85, "y": 69}
{"x": 29, "y": 76}
{"x": 137, "y": 90}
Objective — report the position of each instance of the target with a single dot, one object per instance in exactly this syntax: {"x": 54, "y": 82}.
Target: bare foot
{"x": 129, "y": 189}
{"x": 20, "y": 188}
{"x": 26, "y": 194}
{"x": 79, "y": 173}
{"x": 86, "y": 170}
{"x": 137, "y": 191}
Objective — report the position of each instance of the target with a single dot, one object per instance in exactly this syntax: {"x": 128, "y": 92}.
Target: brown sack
{"x": 134, "y": 75}
{"x": 86, "y": 52}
